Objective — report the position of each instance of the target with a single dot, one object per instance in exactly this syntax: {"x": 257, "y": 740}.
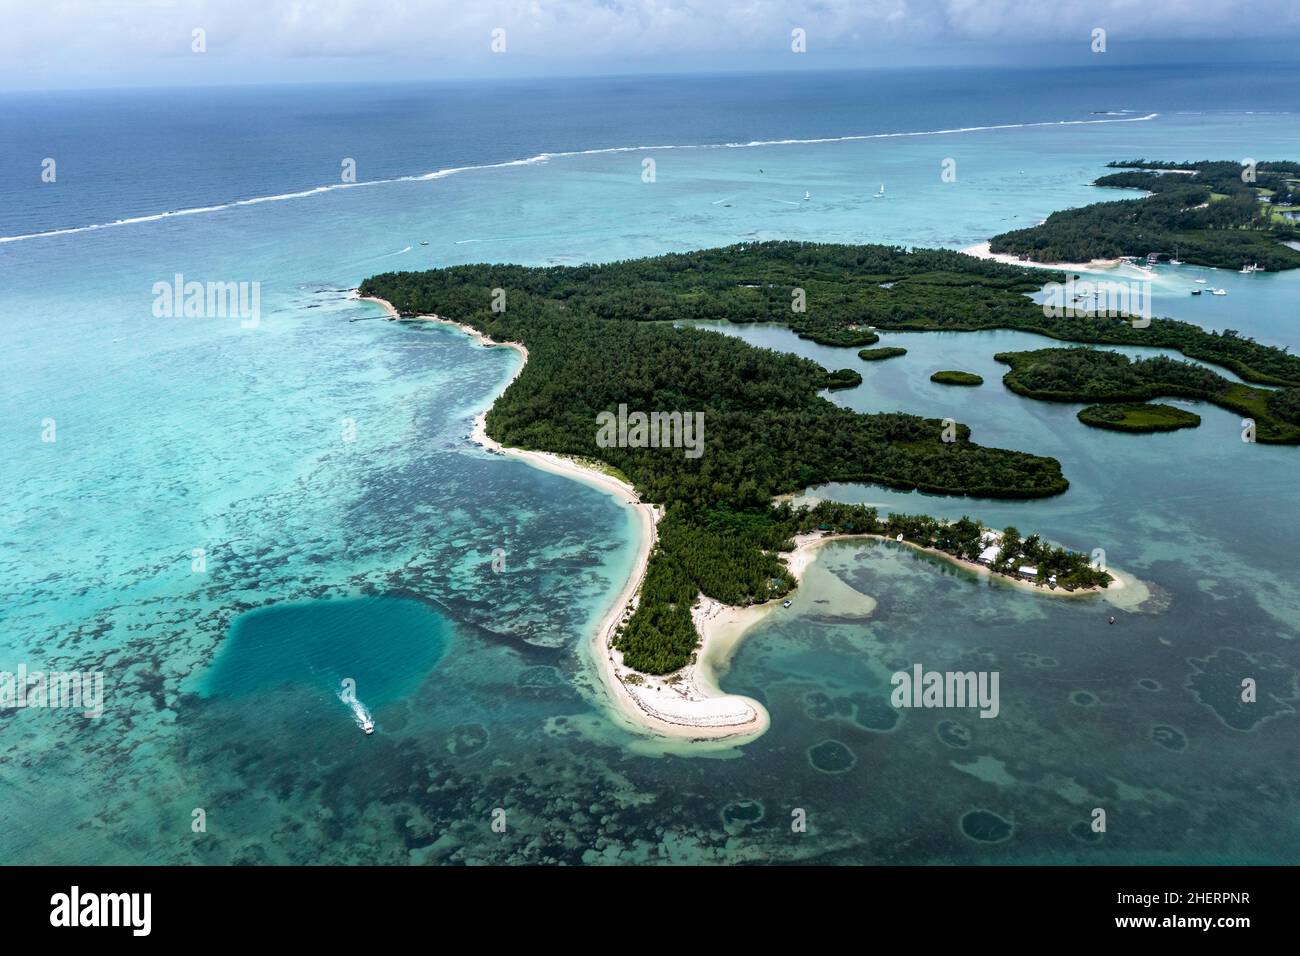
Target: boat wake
{"x": 465, "y": 242}
{"x": 360, "y": 714}
{"x": 547, "y": 157}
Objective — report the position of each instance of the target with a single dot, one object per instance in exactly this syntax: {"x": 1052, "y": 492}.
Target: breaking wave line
{"x": 546, "y": 157}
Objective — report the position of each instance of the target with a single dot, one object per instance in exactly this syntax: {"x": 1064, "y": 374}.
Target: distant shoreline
{"x": 982, "y": 251}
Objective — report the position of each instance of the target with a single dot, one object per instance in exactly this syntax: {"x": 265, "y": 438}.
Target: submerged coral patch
{"x": 831, "y": 756}
{"x": 985, "y": 826}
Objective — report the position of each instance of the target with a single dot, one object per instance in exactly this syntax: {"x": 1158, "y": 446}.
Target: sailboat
{"x": 807, "y": 195}
{"x": 881, "y": 194}
{"x": 1174, "y": 260}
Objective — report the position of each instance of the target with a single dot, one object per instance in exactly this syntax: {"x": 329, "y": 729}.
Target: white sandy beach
{"x": 723, "y": 626}
{"x": 1124, "y": 590}
{"x": 689, "y": 704}
{"x": 1117, "y": 267}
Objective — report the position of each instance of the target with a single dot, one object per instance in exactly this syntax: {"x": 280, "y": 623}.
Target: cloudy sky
{"x": 71, "y": 43}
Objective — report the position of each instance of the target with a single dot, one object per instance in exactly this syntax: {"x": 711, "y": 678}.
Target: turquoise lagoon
{"x": 372, "y": 558}
{"x": 383, "y": 644}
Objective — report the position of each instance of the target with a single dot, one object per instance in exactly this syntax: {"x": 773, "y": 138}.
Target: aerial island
{"x": 1138, "y": 417}
{"x": 880, "y": 354}
{"x": 1210, "y": 213}
{"x": 955, "y": 377}
{"x": 719, "y": 547}
{"x": 1096, "y": 375}
{"x": 601, "y": 337}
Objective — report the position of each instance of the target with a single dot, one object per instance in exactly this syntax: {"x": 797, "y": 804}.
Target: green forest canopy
{"x": 1095, "y": 375}
{"x": 848, "y": 290}
{"x": 1204, "y": 213}
{"x": 602, "y": 335}
{"x": 1138, "y": 417}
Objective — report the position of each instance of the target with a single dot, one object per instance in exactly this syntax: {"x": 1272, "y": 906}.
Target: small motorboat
{"x": 424, "y": 242}
{"x": 1197, "y": 291}
{"x": 367, "y": 726}
{"x": 1200, "y": 281}
{"x": 785, "y": 603}
{"x": 1219, "y": 292}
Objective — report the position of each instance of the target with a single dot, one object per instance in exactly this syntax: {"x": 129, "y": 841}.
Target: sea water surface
{"x": 232, "y": 520}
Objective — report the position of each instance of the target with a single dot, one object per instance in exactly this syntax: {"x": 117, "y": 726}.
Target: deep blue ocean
{"x": 126, "y": 153}
{"x": 228, "y": 520}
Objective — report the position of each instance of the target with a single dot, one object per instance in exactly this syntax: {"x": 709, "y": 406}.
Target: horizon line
{"x": 661, "y": 73}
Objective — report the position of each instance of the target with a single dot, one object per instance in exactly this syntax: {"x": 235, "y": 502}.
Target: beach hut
{"x": 989, "y": 554}
{"x": 1027, "y": 571}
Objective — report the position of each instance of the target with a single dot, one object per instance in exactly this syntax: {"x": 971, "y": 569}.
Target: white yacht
{"x": 1219, "y": 292}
